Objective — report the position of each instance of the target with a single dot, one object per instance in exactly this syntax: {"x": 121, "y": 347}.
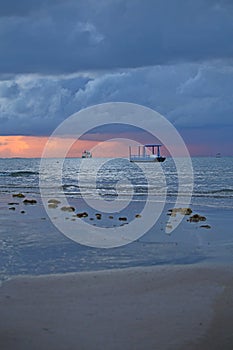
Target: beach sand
{"x": 160, "y": 307}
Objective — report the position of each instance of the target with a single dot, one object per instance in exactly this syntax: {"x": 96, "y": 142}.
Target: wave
{"x": 227, "y": 190}
{"x": 69, "y": 186}
{"x": 20, "y": 173}
{"x": 214, "y": 193}
{"x": 23, "y": 173}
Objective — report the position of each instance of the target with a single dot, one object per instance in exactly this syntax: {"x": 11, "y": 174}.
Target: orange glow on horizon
{"x": 33, "y": 147}
{"x": 21, "y": 146}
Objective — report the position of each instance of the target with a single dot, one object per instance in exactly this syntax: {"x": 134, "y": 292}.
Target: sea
{"x": 31, "y": 243}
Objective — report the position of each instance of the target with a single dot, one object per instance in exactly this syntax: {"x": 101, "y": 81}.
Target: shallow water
{"x": 31, "y": 244}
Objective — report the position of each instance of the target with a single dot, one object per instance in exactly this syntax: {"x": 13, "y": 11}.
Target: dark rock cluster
{"x": 54, "y": 203}
{"x": 188, "y": 211}
{"x": 196, "y": 218}
{"x": 25, "y": 201}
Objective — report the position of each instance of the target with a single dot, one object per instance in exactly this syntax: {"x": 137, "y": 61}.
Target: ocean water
{"x": 31, "y": 244}
{"x": 213, "y": 178}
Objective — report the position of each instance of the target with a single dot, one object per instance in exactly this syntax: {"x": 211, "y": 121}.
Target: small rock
{"x": 82, "y": 215}
{"x": 12, "y": 208}
{"x": 110, "y": 217}
{"x": 52, "y": 206}
{"x": 183, "y": 211}
{"x": 137, "y": 216}
{"x": 19, "y": 195}
{"x": 187, "y": 211}
{"x": 54, "y": 201}
{"x": 69, "y": 209}
{"x": 205, "y": 226}
{"x": 29, "y": 201}
{"x": 171, "y": 213}
{"x": 13, "y": 203}
{"x": 197, "y": 218}
{"x": 22, "y": 212}
{"x": 123, "y": 218}
{"x": 98, "y": 216}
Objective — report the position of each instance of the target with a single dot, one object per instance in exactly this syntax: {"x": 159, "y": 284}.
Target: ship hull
{"x": 147, "y": 160}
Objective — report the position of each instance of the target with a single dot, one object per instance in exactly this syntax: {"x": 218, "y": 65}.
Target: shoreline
{"x": 157, "y": 307}
{"x": 179, "y": 296}
{"x": 31, "y": 245}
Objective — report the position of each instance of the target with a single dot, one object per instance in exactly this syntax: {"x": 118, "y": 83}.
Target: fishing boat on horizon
{"x": 146, "y": 153}
{"x": 86, "y": 154}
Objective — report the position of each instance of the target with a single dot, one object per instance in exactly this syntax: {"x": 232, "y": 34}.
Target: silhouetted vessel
{"x": 86, "y": 154}
{"x": 144, "y": 156}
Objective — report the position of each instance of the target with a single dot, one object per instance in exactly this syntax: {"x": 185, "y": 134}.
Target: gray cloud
{"x": 70, "y": 36}
{"x": 9, "y": 89}
{"x": 39, "y": 105}
{"x": 189, "y": 95}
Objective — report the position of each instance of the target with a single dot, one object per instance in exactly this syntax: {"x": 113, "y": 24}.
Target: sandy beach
{"x": 166, "y": 307}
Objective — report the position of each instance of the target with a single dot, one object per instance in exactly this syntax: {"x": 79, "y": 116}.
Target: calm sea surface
{"x": 31, "y": 244}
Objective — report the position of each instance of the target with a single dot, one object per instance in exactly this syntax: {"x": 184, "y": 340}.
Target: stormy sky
{"x": 59, "y": 56}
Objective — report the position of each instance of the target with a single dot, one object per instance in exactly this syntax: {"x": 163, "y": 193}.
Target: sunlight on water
{"x": 212, "y": 178}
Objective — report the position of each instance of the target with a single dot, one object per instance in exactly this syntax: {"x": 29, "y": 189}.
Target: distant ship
{"x": 218, "y": 155}
{"x": 143, "y": 156}
{"x": 86, "y": 154}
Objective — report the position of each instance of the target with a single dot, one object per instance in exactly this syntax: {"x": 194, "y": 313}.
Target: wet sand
{"x": 161, "y": 307}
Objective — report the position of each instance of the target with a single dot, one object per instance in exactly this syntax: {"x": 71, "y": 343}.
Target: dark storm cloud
{"x": 68, "y": 36}
{"x": 59, "y": 56}
{"x": 39, "y": 104}
{"x": 189, "y": 95}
